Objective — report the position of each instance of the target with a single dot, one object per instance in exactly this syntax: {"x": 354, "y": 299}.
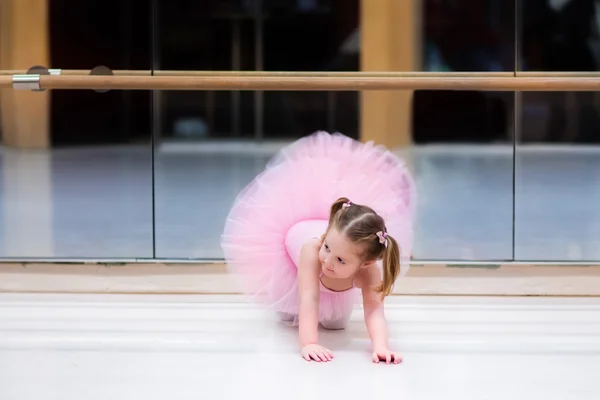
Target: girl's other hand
{"x": 387, "y": 356}
{"x": 317, "y": 353}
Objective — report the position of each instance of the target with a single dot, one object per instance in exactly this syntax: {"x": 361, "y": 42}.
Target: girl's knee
{"x": 285, "y": 317}
{"x": 336, "y": 324}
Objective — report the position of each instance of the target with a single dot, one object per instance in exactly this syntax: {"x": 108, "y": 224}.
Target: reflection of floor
{"x": 99, "y": 202}
{"x": 145, "y": 347}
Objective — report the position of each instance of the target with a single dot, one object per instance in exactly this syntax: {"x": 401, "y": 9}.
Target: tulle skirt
{"x": 262, "y": 238}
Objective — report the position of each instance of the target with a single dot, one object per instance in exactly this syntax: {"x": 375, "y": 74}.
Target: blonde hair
{"x": 361, "y": 225}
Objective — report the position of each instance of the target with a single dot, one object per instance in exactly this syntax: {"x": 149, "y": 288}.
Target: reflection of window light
{"x": 558, "y": 5}
{"x": 434, "y": 61}
{"x": 306, "y": 5}
{"x": 351, "y": 44}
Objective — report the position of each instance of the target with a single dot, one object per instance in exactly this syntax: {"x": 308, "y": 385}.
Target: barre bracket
{"x": 31, "y": 79}
{"x": 27, "y": 82}
{"x": 101, "y": 70}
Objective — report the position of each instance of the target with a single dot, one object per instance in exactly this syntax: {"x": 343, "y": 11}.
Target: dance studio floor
{"x": 100, "y": 202}
{"x": 73, "y": 347}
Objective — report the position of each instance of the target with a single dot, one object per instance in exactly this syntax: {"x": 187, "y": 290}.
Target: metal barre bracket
{"x": 31, "y": 80}
{"x": 27, "y": 82}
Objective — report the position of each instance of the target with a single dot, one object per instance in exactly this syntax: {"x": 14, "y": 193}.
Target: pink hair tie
{"x": 383, "y": 238}
{"x": 346, "y": 205}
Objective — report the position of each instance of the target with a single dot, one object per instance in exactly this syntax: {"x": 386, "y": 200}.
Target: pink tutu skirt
{"x": 289, "y": 202}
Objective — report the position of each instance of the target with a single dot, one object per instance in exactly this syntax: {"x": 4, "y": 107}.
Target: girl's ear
{"x": 367, "y": 264}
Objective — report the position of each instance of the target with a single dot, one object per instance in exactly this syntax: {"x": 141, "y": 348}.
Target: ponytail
{"x": 335, "y": 207}
{"x": 391, "y": 267}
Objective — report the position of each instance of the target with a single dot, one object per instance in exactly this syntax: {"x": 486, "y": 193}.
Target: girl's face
{"x": 339, "y": 257}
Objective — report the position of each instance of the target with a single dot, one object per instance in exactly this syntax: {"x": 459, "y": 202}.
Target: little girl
{"x": 301, "y": 247}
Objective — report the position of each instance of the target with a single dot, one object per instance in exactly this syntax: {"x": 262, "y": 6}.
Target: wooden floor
{"x": 219, "y": 347}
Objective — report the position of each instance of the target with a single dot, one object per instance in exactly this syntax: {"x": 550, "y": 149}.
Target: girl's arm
{"x": 308, "y": 290}
{"x": 373, "y": 308}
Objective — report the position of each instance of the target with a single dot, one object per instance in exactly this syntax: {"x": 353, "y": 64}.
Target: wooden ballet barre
{"x": 86, "y": 72}
{"x": 424, "y": 74}
{"x": 310, "y": 74}
{"x": 296, "y": 83}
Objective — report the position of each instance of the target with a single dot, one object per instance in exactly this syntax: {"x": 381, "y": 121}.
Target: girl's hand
{"x": 317, "y": 353}
{"x": 384, "y": 354}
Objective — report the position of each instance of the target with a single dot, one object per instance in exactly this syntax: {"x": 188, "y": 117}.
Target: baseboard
{"x": 175, "y": 278}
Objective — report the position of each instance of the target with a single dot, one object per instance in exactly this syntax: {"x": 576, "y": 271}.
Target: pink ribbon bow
{"x": 383, "y": 238}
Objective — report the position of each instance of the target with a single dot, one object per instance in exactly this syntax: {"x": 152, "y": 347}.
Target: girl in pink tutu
{"x": 328, "y": 220}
